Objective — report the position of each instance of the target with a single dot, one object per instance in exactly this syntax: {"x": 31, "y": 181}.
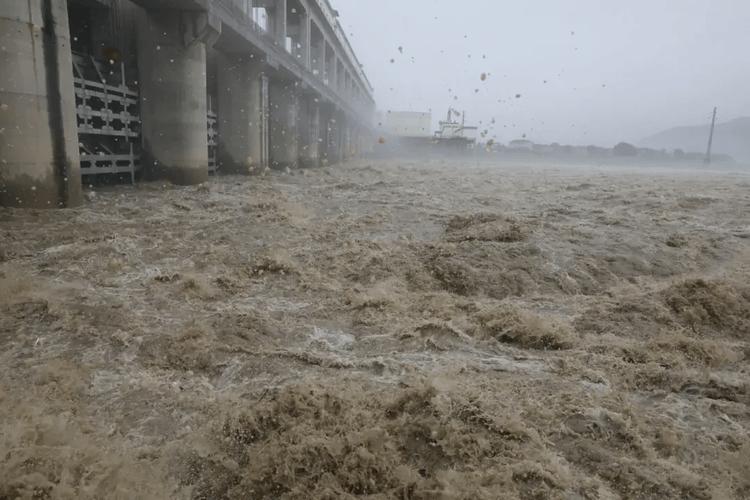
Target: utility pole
{"x": 707, "y": 161}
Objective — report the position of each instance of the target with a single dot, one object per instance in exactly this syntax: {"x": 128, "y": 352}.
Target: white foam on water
{"x": 334, "y": 340}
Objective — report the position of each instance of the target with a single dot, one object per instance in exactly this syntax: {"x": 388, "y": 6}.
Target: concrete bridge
{"x": 171, "y": 89}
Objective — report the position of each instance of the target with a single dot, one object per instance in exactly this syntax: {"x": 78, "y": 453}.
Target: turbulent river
{"x": 384, "y": 329}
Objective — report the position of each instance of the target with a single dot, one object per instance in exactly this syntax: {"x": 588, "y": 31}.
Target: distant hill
{"x": 732, "y": 138}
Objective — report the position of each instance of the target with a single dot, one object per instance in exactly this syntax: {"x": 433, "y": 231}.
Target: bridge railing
{"x": 108, "y": 118}
{"x": 331, "y": 16}
{"x": 240, "y": 11}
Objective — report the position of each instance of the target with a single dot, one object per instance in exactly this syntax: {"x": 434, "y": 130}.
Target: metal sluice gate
{"x": 213, "y": 137}
{"x": 109, "y": 122}
{"x": 108, "y": 119}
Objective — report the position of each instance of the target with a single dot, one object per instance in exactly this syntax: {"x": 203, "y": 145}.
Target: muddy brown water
{"x": 406, "y": 330}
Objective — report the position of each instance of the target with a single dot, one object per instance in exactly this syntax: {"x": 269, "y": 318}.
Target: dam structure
{"x": 172, "y": 89}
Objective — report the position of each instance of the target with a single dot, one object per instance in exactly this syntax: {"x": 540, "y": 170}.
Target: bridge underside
{"x": 172, "y": 89}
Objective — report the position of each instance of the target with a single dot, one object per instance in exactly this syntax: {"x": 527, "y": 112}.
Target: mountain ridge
{"x": 731, "y": 137}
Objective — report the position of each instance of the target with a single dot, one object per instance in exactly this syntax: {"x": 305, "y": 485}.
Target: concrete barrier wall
{"x": 39, "y": 160}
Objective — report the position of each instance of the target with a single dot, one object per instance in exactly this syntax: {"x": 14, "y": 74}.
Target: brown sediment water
{"x": 382, "y": 329}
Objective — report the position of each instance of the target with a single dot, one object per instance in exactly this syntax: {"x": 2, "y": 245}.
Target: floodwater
{"x": 382, "y": 329}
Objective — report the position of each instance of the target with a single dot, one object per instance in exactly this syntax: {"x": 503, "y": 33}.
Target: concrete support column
{"x": 240, "y": 113}
{"x": 172, "y": 71}
{"x": 310, "y": 132}
{"x": 333, "y": 70}
{"x": 278, "y": 20}
{"x": 39, "y": 158}
{"x": 324, "y": 134}
{"x": 332, "y": 142}
{"x": 319, "y": 57}
{"x": 345, "y": 138}
{"x": 284, "y": 108}
{"x": 305, "y": 31}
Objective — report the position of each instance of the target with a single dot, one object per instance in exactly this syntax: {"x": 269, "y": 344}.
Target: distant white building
{"x": 412, "y": 124}
{"x": 521, "y": 145}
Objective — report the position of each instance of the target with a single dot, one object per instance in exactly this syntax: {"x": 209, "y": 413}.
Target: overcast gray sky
{"x": 614, "y": 70}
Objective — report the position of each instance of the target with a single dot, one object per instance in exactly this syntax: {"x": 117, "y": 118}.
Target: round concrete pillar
{"x": 173, "y": 99}
{"x": 332, "y": 132}
{"x": 309, "y": 154}
{"x": 284, "y": 110}
{"x": 240, "y": 113}
{"x": 343, "y": 127}
{"x": 39, "y": 158}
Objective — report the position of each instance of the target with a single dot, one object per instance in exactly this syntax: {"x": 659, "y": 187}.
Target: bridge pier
{"x": 39, "y": 158}
{"x": 346, "y": 143}
{"x": 337, "y": 139}
{"x": 241, "y": 116}
{"x": 328, "y": 134}
{"x": 284, "y": 137}
{"x": 310, "y": 132}
{"x": 172, "y": 68}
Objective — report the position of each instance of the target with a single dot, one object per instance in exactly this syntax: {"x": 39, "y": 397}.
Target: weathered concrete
{"x": 173, "y": 98}
{"x": 278, "y": 21}
{"x": 331, "y": 131}
{"x": 284, "y": 134}
{"x": 240, "y": 111}
{"x": 309, "y": 130}
{"x": 163, "y": 45}
{"x": 39, "y": 158}
{"x": 317, "y": 51}
{"x": 345, "y": 135}
{"x": 305, "y": 34}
